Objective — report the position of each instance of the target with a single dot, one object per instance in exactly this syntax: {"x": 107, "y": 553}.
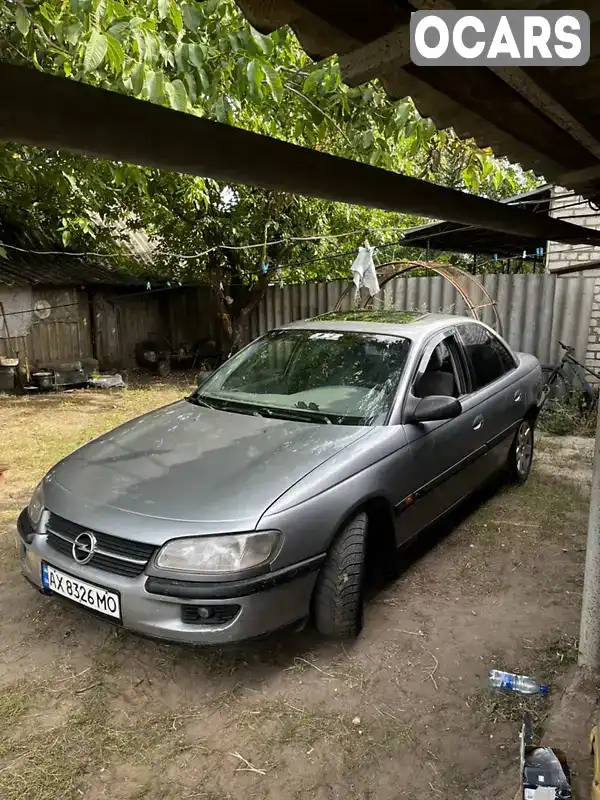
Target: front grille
{"x": 208, "y": 615}
{"x": 113, "y": 554}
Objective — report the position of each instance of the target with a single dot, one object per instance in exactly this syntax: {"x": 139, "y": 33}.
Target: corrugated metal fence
{"x": 535, "y": 310}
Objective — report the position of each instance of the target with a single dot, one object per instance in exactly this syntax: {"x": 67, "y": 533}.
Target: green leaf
{"x": 274, "y": 81}
{"x": 118, "y": 28}
{"x": 177, "y": 95}
{"x": 114, "y": 54}
{"x": 119, "y": 10}
{"x": 155, "y": 87}
{"x": 167, "y": 55}
{"x": 401, "y": 115}
{"x": 262, "y": 43}
{"x": 95, "y": 51}
{"x": 140, "y": 41}
{"x": 137, "y": 79}
{"x": 176, "y": 16}
{"x": 192, "y": 18}
{"x": 375, "y": 157}
{"x": 313, "y": 80}
{"x": 223, "y": 110}
{"x": 191, "y": 87}
{"x": 99, "y": 7}
{"x": 427, "y": 129}
{"x": 3, "y": 253}
{"x": 22, "y": 21}
{"x": 152, "y": 48}
{"x": 195, "y": 56}
{"x": 410, "y": 129}
{"x": 73, "y": 33}
{"x": 204, "y": 80}
{"x": 163, "y": 8}
{"x": 178, "y": 56}
{"x": 72, "y": 181}
{"x": 255, "y": 74}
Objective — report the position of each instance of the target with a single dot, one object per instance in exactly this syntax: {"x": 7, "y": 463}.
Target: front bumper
{"x": 164, "y": 609}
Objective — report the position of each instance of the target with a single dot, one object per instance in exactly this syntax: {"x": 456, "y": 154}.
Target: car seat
{"x": 435, "y": 381}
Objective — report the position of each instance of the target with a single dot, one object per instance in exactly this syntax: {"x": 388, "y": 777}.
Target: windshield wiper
{"x": 307, "y": 414}
{"x": 198, "y": 401}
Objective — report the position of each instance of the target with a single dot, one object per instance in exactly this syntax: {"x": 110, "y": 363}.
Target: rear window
{"x": 489, "y": 359}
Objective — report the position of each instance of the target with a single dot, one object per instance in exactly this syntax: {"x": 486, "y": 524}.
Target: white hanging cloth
{"x": 363, "y": 270}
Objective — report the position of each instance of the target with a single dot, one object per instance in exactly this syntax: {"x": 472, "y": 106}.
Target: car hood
{"x": 184, "y": 463}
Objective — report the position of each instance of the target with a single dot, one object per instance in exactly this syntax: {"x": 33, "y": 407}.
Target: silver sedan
{"x": 256, "y": 502}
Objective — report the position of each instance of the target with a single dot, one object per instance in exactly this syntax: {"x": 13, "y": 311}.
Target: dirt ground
{"x": 89, "y": 711}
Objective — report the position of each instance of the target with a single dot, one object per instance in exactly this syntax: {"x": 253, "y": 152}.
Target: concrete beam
{"x": 47, "y": 111}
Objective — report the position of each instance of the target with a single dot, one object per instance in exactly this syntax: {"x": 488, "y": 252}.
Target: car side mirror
{"x": 435, "y": 408}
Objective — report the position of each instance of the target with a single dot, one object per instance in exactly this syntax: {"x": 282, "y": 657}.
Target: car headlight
{"x": 36, "y": 505}
{"x": 219, "y": 554}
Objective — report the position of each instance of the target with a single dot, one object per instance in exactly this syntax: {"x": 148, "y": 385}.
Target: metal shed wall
{"x": 63, "y": 335}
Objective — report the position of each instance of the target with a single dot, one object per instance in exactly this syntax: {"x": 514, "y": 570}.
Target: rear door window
{"x": 488, "y": 357}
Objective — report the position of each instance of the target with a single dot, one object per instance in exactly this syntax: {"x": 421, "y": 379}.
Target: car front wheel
{"x": 520, "y": 457}
{"x": 338, "y": 597}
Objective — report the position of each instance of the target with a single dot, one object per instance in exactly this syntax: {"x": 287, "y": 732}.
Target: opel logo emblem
{"x": 84, "y": 547}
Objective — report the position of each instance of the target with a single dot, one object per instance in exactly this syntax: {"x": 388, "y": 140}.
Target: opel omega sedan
{"x": 254, "y": 503}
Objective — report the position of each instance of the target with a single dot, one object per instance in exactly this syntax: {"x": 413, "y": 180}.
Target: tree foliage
{"x": 204, "y": 58}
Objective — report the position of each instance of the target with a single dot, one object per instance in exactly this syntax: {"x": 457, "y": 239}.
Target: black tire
{"x": 520, "y": 459}
{"x": 558, "y": 388}
{"x": 338, "y": 596}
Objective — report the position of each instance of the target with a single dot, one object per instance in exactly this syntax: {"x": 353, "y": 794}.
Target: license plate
{"x": 86, "y": 594}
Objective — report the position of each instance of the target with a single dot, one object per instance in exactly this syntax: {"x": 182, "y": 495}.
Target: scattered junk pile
{"x": 545, "y": 773}
{"x": 158, "y": 355}
{"x": 16, "y": 374}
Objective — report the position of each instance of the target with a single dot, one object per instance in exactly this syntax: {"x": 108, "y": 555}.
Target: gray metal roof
{"x": 448, "y": 236}
{"x": 32, "y": 258}
{"x": 61, "y": 271}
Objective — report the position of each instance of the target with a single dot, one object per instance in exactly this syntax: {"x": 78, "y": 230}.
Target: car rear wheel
{"x": 520, "y": 457}
{"x": 338, "y": 597}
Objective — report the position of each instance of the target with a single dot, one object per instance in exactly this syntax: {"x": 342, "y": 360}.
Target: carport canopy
{"x": 61, "y": 114}
{"x": 547, "y": 119}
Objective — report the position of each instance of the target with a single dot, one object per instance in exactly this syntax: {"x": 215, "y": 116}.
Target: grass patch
{"x": 357, "y": 742}
{"x": 14, "y": 702}
{"x": 498, "y": 707}
{"x": 569, "y": 417}
{"x": 52, "y": 764}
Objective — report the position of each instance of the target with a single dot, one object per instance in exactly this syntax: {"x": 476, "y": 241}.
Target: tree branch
{"x": 320, "y": 110}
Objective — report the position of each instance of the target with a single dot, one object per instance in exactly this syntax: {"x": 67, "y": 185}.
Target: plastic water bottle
{"x": 515, "y": 683}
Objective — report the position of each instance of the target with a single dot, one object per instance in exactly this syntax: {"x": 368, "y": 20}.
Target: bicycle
{"x": 567, "y": 381}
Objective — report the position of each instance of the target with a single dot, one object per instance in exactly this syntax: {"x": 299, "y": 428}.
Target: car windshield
{"x": 331, "y": 377}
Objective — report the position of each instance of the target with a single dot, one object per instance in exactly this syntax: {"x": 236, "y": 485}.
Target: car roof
{"x": 413, "y": 325}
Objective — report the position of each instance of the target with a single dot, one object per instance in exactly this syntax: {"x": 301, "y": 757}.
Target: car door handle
{"x": 518, "y": 396}
{"x": 478, "y": 423}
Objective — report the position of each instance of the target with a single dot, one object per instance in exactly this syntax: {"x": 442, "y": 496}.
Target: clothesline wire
{"x": 206, "y": 252}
